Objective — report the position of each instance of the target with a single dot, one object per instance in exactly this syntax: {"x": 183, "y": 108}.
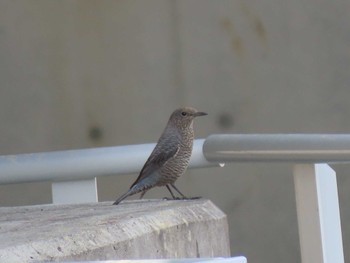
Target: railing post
{"x": 318, "y": 213}
{"x": 77, "y": 191}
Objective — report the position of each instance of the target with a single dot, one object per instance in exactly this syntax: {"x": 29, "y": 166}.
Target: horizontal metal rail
{"x": 298, "y": 148}
{"x": 219, "y": 148}
{"x": 84, "y": 163}
{"x": 177, "y": 260}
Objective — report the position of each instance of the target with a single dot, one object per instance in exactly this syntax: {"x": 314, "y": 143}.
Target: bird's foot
{"x": 182, "y": 198}
{"x": 170, "y": 198}
{"x": 192, "y": 198}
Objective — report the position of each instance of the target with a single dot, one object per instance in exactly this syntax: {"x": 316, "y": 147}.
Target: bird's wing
{"x": 161, "y": 154}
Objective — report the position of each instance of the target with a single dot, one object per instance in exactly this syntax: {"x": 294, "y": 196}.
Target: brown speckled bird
{"x": 170, "y": 157}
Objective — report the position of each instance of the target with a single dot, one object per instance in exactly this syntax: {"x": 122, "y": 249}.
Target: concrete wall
{"x": 133, "y": 230}
{"x": 78, "y": 74}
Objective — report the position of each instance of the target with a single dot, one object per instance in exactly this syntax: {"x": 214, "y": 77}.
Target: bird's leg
{"x": 177, "y": 190}
{"x": 171, "y": 192}
{"x": 182, "y": 195}
{"x": 142, "y": 194}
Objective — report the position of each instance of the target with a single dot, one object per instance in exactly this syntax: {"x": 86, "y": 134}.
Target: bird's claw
{"x": 182, "y": 198}
{"x": 169, "y": 198}
{"x": 194, "y": 198}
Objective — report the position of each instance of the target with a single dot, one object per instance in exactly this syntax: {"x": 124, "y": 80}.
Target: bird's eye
{"x": 183, "y": 113}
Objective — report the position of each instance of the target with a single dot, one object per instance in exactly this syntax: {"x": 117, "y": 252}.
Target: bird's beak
{"x": 199, "y": 113}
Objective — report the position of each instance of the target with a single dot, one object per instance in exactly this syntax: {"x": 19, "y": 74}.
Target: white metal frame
{"x": 73, "y": 173}
{"x": 73, "y": 176}
{"x": 182, "y": 260}
{"x": 318, "y": 213}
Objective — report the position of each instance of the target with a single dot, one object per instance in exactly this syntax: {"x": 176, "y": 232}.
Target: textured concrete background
{"x": 136, "y": 229}
{"x": 78, "y": 74}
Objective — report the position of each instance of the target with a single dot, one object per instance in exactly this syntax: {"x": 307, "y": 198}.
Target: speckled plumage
{"x": 170, "y": 157}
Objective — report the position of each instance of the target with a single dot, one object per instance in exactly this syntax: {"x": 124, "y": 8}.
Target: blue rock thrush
{"x": 170, "y": 158}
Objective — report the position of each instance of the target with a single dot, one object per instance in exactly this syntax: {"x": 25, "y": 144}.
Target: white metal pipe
{"x": 239, "y": 259}
{"x": 74, "y": 192}
{"x": 301, "y": 148}
{"x": 318, "y": 213}
{"x": 84, "y": 163}
{"x": 90, "y": 163}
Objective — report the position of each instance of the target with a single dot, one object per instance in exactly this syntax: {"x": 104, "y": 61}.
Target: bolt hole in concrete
{"x": 225, "y": 120}
{"x": 95, "y": 133}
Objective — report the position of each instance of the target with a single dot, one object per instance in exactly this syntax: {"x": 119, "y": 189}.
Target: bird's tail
{"x": 134, "y": 190}
{"x": 122, "y": 197}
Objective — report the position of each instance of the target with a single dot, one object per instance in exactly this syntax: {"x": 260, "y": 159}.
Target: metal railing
{"x": 183, "y": 260}
{"x": 83, "y": 164}
{"x": 297, "y": 148}
{"x": 73, "y": 175}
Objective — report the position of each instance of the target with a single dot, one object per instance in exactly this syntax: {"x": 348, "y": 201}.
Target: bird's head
{"x": 183, "y": 117}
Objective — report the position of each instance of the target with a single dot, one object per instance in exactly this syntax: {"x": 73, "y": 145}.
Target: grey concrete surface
{"x": 101, "y": 231}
